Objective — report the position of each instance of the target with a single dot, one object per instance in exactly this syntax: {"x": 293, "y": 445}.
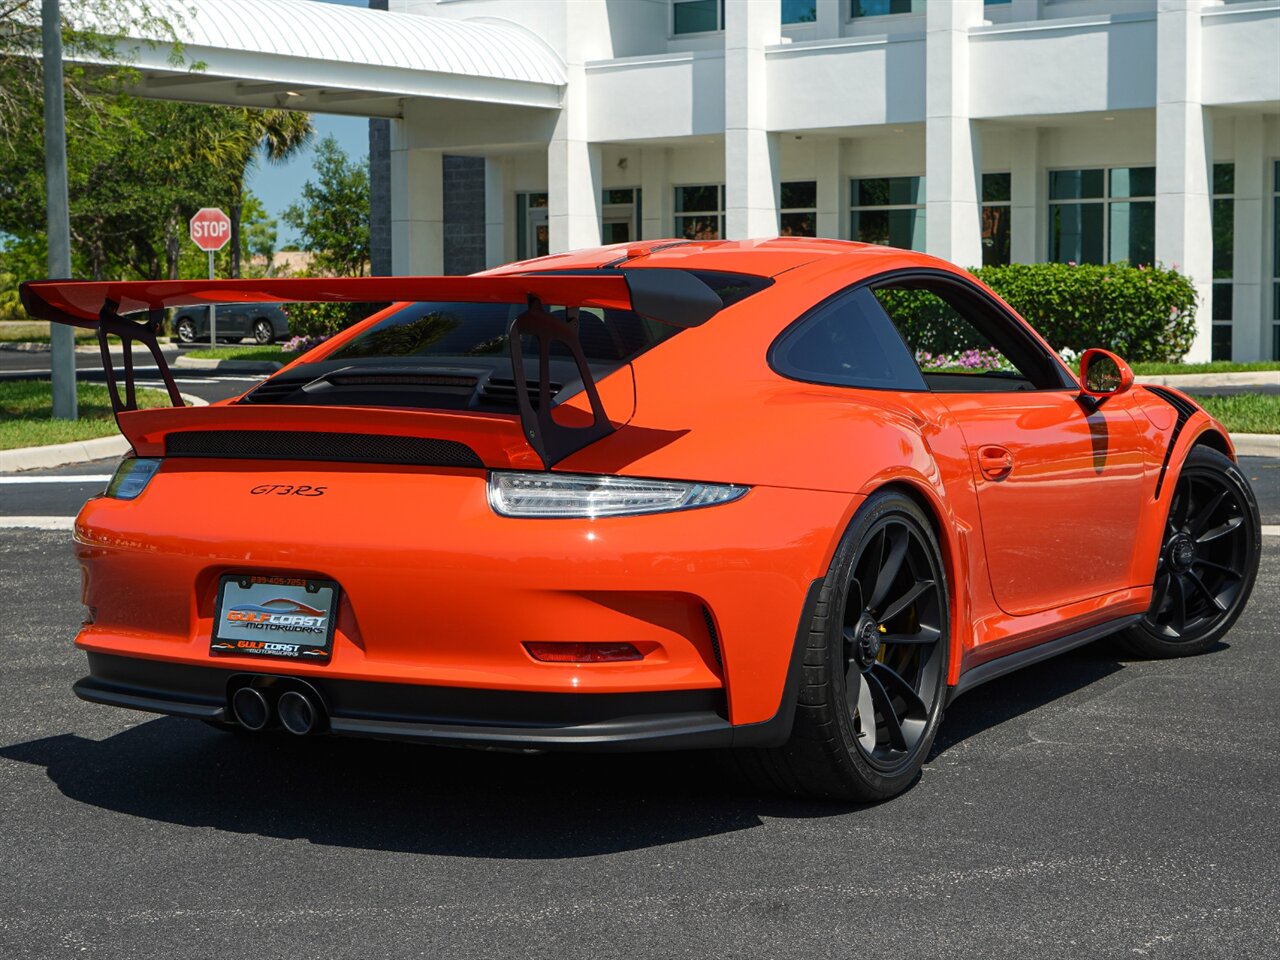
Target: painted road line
{"x": 80, "y": 478}
{"x": 37, "y": 523}
{"x": 1271, "y": 529}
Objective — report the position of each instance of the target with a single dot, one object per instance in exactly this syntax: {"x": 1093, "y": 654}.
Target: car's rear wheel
{"x": 263, "y": 332}
{"x": 1208, "y": 560}
{"x": 186, "y": 330}
{"x": 875, "y": 667}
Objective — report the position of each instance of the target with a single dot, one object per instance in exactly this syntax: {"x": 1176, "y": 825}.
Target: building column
{"x": 1025, "y": 11}
{"x": 1250, "y": 327}
{"x": 750, "y": 151}
{"x": 953, "y": 166}
{"x": 417, "y": 208}
{"x": 831, "y": 14}
{"x": 1184, "y": 232}
{"x": 573, "y": 172}
{"x": 833, "y": 202}
{"x": 655, "y": 193}
{"x": 495, "y": 210}
{"x": 1026, "y": 195}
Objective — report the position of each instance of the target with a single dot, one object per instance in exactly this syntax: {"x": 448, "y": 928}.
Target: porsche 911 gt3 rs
{"x": 666, "y": 495}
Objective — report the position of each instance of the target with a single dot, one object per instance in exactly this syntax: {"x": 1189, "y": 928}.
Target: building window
{"x": 620, "y": 215}
{"x": 1224, "y": 222}
{"x": 879, "y": 8}
{"x": 697, "y": 16}
{"x": 799, "y": 11}
{"x": 1103, "y": 215}
{"x": 888, "y": 211}
{"x": 799, "y": 216}
{"x": 533, "y": 235}
{"x": 700, "y": 212}
{"x": 1275, "y": 265}
{"x": 995, "y": 219}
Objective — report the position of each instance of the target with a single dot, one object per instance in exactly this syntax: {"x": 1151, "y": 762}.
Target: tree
{"x": 257, "y": 234}
{"x": 333, "y": 218}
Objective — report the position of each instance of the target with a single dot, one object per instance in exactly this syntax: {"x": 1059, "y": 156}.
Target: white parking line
{"x": 37, "y": 523}
{"x": 1271, "y": 529}
{"x": 80, "y": 478}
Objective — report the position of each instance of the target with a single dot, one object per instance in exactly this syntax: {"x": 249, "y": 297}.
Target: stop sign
{"x": 210, "y": 229}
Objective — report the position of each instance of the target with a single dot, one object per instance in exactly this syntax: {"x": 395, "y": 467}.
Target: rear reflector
{"x": 582, "y": 652}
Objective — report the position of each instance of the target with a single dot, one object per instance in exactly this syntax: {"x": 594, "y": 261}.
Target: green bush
{"x": 1141, "y": 313}
{"x": 325, "y": 319}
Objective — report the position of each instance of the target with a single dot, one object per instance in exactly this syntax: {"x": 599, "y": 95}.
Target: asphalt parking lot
{"x": 1091, "y": 806}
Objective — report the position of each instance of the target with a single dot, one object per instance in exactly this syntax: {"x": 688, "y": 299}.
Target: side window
{"x": 962, "y": 344}
{"x": 846, "y": 341}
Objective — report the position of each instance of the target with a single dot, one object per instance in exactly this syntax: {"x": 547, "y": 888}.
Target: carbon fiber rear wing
{"x": 112, "y": 308}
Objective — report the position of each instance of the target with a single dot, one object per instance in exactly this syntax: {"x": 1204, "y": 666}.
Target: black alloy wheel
{"x": 1208, "y": 559}
{"x": 186, "y": 330}
{"x": 263, "y": 332}
{"x": 875, "y": 675}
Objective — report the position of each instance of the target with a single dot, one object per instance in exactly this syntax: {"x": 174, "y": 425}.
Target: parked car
{"x": 264, "y": 322}
{"x": 677, "y": 495}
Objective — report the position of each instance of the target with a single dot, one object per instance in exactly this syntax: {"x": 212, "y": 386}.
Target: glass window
{"x": 799, "y": 11}
{"x": 847, "y": 341}
{"x": 533, "y": 236}
{"x": 1224, "y": 243}
{"x": 879, "y": 8}
{"x": 995, "y": 218}
{"x": 888, "y": 211}
{"x": 699, "y": 213}
{"x": 697, "y": 16}
{"x": 799, "y": 215}
{"x": 1102, "y": 215}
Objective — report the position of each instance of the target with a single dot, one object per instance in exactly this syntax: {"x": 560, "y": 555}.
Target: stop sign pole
{"x": 210, "y": 231}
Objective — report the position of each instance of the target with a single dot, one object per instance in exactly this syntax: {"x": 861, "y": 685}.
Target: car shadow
{"x": 410, "y": 798}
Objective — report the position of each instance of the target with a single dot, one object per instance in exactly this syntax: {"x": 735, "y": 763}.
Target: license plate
{"x": 271, "y": 616}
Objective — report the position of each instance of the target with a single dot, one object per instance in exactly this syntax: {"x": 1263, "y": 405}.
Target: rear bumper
{"x": 449, "y": 716}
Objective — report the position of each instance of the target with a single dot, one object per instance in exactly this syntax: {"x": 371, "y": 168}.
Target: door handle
{"x": 996, "y": 463}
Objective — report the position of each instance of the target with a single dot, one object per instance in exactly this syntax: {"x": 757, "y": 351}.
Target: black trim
{"x": 319, "y": 445}
{"x": 514, "y": 719}
{"x": 1041, "y": 651}
{"x": 1186, "y": 410}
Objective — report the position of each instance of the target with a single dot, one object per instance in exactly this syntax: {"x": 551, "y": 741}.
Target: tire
{"x": 263, "y": 332}
{"x": 186, "y": 330}
{"x": 832, "y": 752}
{"x": 1208, "y": 561}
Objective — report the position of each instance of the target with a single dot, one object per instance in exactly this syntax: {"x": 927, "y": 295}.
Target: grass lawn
{"x": 241, "y": 353}
{"x": 1217, "y": 366}
{"x": 1246, "y": 412}
{"x": 26, "y": 411}
{"x": 36, "y": 331}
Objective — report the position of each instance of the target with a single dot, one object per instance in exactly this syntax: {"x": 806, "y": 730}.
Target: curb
{"x": 78, "y": 451}
{"x": 1248, "y": 378}
{"x": 243, "y": 366}
{"x": 1256, "y": 444}
{"x": 35, "y": 346}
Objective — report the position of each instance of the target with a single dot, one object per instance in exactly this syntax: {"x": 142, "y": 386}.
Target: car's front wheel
{"x": 875, "y": 667}
{"x": 1208, "y": 560}
{"x": 186, "y": 330}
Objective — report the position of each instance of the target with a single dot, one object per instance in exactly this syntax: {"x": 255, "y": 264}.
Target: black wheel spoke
{"x": 924, "y": 635}
{"x": 895, "y": 551}
{"x": 1220, "y": 567}
{"x": 1231, "y": 526}
{"x": 894, "y": 682}
{"x": 885, "y": 712}
{"x": 1213, "y": 597}
{"x": 1179, "y": 622}
{"x": 1160, "y": 593}
{"x": 1205, "y": 514}
{"x": 906, "y": 600}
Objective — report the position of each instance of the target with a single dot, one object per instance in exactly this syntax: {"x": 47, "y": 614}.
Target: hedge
{"x": 1141, "y": 313}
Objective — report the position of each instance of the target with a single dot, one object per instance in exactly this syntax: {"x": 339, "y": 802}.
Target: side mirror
{"x": 1103, "y": 374}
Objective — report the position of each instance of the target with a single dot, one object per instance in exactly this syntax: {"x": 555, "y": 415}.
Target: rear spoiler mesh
{"x": 675, "y": 297}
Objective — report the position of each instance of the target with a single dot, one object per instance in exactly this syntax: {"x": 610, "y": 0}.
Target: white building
{"x": 1010, "y": 130}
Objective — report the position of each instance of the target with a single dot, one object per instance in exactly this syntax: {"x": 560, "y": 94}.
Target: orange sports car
{"x": 788, "y": 497}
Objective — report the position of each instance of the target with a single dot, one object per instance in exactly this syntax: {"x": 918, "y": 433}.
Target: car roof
{"x": 764, "y": 257}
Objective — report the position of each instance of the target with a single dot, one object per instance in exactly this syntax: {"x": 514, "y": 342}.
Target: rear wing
{"x": 112, "y": 308}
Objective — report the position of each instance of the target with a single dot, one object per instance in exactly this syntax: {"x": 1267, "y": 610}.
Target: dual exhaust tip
{"x": 298, "y": 711}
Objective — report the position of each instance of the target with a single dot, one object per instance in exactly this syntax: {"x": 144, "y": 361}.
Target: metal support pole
{"x": 62, "y": 355}
{"x": 213, "y": 313}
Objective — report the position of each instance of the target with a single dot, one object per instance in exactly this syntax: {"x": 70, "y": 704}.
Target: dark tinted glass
{"x": 697, "y": 199}
{"x": 799, "y": 193}
{"x": 1224, "y": 240}
{"x": 1224, "y": 178}
{"x": 1075, "y": 184}
{"x": 1133, "y": 182}
{"x": 799, "y": 11}
{"x": 696, "y": 16}
{"x": 888, "y": 191}
{"x": 847, "y": 341}
{"x": 995, "y": 187}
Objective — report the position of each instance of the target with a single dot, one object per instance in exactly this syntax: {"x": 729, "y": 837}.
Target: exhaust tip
{"x": 298, "y": 714}
{"x": 250, "y": 708}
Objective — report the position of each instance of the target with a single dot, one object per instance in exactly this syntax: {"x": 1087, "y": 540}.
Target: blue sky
{"x": 278, "y": 185}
